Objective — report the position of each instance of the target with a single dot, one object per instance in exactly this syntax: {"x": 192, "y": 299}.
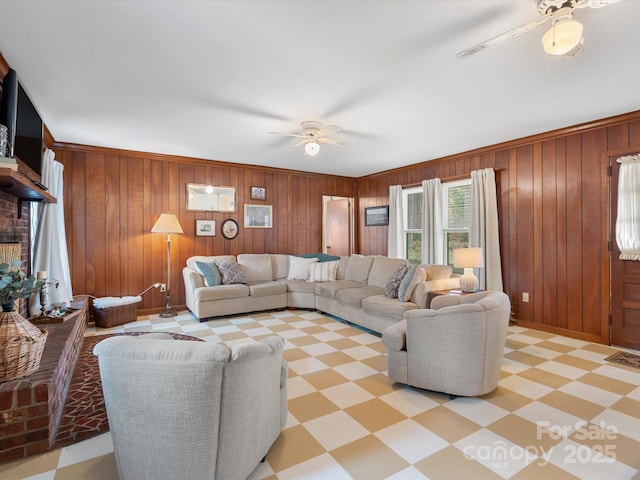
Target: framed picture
{"x": 206, "y": 228}
{"x": 258, "y": 193}
{"x": 229, "y": 229}
{"x": 374, "y": 216}
{"x": 258, "y": 216}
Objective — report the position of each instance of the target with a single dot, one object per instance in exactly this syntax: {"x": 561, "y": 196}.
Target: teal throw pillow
{"x": 211, "y": 274}
{"x": 404, "y": 284}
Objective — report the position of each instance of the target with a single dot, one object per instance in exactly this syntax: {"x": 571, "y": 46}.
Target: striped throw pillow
{"x": 323, "y": 271}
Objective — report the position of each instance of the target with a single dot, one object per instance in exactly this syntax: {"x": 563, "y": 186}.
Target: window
{"x": 456, "y": 219}
{"x": 412, "y": 200}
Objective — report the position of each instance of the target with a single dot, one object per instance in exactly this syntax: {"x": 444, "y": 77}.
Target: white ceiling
{"x": 210, "y": 79}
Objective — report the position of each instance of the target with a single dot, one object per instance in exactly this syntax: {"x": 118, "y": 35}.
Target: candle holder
{"x": 43, "y": 300}
{"x": 42, "y": 295}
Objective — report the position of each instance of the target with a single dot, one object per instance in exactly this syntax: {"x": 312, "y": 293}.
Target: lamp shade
{"x": 564, "y": 35}
{"x": 312, "y": 148}
{"x": 468, "y": 257}
{"x": 167, "y": 223}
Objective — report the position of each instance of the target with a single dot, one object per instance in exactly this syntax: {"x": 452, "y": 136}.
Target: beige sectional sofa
{"x": 356, "y": 294}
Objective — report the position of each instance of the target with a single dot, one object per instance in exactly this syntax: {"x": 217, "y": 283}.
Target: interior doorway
{"x": 624, "y": 277}
{"x": 337, "y": 225}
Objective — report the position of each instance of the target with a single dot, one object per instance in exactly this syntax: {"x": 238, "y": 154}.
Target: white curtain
{"x": 432, "y": 241}
{"x": 484, "y": 230}
{"x": 50, "y": 245}
{"x": 396, "y": 243}
{"x": 628, "y": 221}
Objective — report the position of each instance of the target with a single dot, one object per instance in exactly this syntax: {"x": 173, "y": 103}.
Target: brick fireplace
{"x": 30, "y": 407}
{"x": 14, "y": 227}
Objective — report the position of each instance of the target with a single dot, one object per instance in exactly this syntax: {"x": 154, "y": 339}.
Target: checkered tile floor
{"x": 559, "y": 412}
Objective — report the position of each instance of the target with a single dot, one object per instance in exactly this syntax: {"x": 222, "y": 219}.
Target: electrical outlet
{"x": 163, "y": 287}
{"x": 525, "y": 297}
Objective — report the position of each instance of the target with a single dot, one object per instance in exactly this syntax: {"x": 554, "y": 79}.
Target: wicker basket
{"x": 21, "y": 346}
{"x": 113, "y": 316}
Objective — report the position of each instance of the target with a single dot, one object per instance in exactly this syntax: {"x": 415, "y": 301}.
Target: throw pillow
{"x": 404, "y": 284}
{"x": 299, "y": 267}
{"x": 231, "y": 272}
{"x": 323, "y": 271}
{"x": 211, "y": 273}
{"x": 393, "y": 284}
{"x": 409, "y": 283}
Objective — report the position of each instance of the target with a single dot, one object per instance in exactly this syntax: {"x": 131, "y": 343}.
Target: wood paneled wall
{"x": 553, "y": 201}
{"x": 552, "y": 209}
{"x": 113, "y": 198}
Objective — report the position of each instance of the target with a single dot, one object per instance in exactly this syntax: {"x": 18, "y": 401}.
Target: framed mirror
{"x": 210, "y": 199}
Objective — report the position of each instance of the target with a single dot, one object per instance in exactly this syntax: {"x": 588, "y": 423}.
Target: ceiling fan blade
{"x": 328, "y": 130}
{"x": 514, "y": 32}
{"x": 594, "y": 3}
{"x": 332, "y": 141}
{"x": 289, "y": 134}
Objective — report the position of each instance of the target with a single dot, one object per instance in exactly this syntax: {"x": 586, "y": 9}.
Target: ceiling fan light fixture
{"x": 312, "y": 148}
{"x": 564, "y": 35}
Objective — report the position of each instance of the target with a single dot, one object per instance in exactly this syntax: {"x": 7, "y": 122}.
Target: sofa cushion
{"x": 342, "y": 267}
{"x": 437, "y": 272}
{"x": 256, "y": 267}
{"x": 210, "y": 272}
{"x": 267, "y": 289}
{"x": 358, "y": 268}
{"x": 413, "y": 277}
{"x": 279, "y": 265}
{"x": 391, "y": 307}
{"x": 299, "y": 267}
{"x": 393, "y": 284}
{"x": 323, "y": 271}
{"x": 330, "y": 289}
{"x": 231, "y": 272}
{"x": 299, "y": 286}
{"x": 354, "y": 296}
{"x": 382, "y": 269}
{"x": 221, "y": 292}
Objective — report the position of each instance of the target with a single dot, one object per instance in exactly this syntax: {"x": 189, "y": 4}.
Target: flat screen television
{"x": 24, "y": 126}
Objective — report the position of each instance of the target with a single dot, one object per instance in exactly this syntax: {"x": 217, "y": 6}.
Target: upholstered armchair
{"x": 191, "y": 410}
{"x": 455, "y": 347}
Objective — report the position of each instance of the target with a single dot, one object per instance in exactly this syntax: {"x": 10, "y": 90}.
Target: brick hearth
{"x": 30, "y": 407}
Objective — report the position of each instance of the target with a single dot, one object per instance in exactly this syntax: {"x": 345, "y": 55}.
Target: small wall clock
{"x": 229, "y": 229}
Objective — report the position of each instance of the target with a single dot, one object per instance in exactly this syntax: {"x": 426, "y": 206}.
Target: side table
{"x": 456, "y": 291}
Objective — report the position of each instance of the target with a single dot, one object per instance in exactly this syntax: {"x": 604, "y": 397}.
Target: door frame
{"x": 352, "y": 232}
{"x": 607, "y": 282}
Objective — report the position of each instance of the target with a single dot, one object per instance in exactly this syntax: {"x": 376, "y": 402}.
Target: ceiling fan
{"x": 313, "y": 134}
{"x": 563, "y": 38}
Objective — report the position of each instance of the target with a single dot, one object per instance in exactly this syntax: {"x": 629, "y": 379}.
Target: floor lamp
{"x": 168, "y": 223}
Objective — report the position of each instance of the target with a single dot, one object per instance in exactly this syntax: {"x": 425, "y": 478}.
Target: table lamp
{"x": 468, "y": 258}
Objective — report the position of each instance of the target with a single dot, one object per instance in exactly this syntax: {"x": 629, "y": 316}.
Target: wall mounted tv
{"x": 24, "y": 125}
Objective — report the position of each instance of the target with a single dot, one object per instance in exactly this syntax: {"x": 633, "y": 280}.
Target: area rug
{"x": 625, "y": 358}
{"x": 84, "y": 414}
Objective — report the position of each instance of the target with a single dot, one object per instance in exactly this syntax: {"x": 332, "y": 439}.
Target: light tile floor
{"x": 560, "y": 412}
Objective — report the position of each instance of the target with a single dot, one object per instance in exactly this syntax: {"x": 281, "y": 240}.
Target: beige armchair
{"x": 191, "y": 410}
{"x": 455, "y": 347}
